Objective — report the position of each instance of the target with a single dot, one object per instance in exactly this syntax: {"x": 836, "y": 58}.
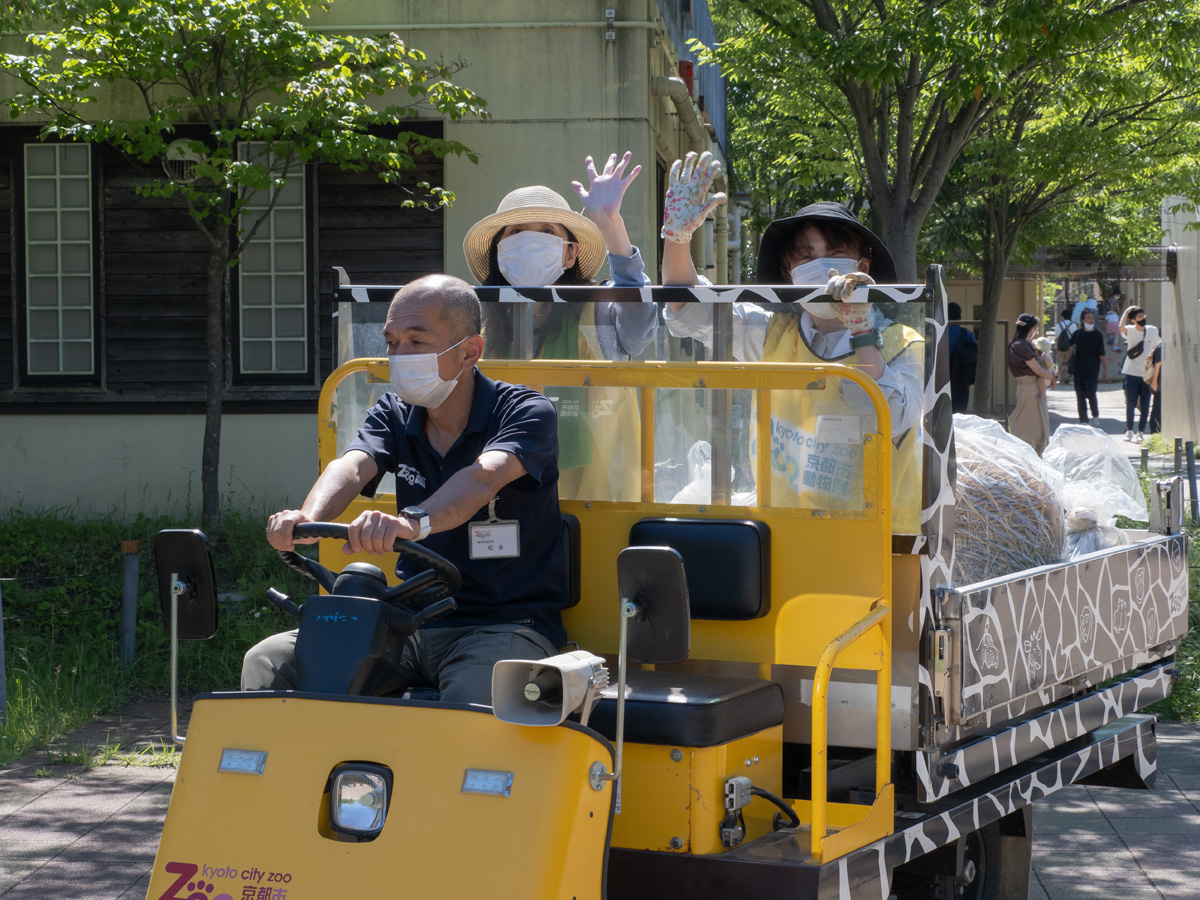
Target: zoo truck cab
{"x": 841, "y": 721}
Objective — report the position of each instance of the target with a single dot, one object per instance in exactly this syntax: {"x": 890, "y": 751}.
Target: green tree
{"x": 903, "y": 86}
{"x": 255, "y": 76}
{"x": 1083, "y": 158}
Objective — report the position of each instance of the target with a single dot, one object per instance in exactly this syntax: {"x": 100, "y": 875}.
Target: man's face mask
{"x": 816, "y": 271}
{"x": 531, "y": 258}
{"x": 415, "y": 379}
{"x": 1089, "y": 326}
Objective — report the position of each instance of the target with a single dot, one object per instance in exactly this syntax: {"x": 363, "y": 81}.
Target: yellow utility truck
{"x": 774, "y": 689}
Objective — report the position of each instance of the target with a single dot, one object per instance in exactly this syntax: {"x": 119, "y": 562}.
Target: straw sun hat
{"x": 534, "y": 204}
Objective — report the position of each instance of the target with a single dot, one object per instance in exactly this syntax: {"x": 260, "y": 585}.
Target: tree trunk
{"x": 993, "y": 283}
{"x": 899, "y": 229}
{"x": 210, "y": 493}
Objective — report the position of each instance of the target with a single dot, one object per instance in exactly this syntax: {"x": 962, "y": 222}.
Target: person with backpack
{"x": 964, "y": 354}
{"x": 1063, "y": 334}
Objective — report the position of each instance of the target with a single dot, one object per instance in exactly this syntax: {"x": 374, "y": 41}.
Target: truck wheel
{"x": 980, "y": 879}
{"x": 938, "y": 876}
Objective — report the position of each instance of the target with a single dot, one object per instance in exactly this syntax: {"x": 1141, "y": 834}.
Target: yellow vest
{"x": 816, "y": 450}
{"x": 611, "y": 460}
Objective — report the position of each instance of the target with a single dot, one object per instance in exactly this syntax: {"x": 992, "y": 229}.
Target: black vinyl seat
{"x": 689, "y": 710}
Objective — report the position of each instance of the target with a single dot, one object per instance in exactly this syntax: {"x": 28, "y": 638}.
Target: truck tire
{"x": 939, "y": 876}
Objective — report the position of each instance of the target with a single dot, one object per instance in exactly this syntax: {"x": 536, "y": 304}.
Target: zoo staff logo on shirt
{"x": 411, "y": 475}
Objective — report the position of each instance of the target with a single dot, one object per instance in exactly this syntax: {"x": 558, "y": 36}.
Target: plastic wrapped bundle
{"x": 1009, "y": 512}
{"x": 1086, "y": 535}
{"x": 1096, "y": 475}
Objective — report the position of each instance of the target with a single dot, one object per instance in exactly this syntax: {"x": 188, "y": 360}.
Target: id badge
{"x": 494, "y": 538}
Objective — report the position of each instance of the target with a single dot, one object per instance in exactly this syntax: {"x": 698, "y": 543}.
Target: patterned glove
{"x": 841, "y": 287}
{"x": 855, "y": 317}
{"x": 688, "y": 204}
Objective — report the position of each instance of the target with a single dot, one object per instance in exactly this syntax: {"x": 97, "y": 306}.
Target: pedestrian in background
{"x": 1087, "y": 356}
{"x": 1064, "y": 332}
{"x": 1030, "y": 421}
{"x": 1140, "y": 341}
{"x": 1156, "y": 389}
{"x": 964, "y": 354}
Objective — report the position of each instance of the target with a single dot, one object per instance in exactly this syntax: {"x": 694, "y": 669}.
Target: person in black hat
{"x": 823, "y": 244}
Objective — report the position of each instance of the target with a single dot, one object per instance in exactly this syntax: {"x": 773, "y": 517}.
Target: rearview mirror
{"x": 184, "y": 553}
{"x": 652, "y": 579}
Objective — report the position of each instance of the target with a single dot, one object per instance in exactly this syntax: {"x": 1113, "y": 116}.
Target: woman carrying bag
{"x": 1030, "y": 421}
{"x": 1141, "y": 340}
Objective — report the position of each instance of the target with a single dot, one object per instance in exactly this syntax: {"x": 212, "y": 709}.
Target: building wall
{"x": 1016, "y": 297}
{"x": 1180, "y": 318}
{"x": 558, "y": 91}
{"x": 151, "y": 463}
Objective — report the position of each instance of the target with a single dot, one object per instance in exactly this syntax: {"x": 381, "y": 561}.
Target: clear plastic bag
{"x": 1096, "y": 475}
{"x": 1009, "y": 512}
{"x": 1086, "y": 535}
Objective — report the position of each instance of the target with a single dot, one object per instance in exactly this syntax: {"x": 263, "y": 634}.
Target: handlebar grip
{"x": 434, "y": 610}
{"x": 284, "y": 604}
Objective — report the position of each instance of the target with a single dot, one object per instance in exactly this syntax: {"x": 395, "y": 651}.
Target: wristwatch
{"x": 870, "y": 338}
{"x": 420, "y": 517}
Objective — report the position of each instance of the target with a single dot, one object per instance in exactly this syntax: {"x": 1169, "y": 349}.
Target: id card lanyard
{"x": 494, "y": 538}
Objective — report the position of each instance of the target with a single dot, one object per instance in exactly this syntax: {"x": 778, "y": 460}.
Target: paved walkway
{"x": 78, "y": 832}
{"x": 73, "y": 833}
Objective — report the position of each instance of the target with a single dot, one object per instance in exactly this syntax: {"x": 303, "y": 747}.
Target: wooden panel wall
{"x": 153, "y": 262}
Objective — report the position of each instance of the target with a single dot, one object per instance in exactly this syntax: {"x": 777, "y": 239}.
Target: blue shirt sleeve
{"x": 628, "y": 271}
{"x": 527, "y": 427}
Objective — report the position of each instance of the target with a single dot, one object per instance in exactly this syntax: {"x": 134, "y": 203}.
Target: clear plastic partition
{"x": 642, "y": 434}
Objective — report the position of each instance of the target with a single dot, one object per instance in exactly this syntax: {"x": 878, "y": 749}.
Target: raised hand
{"x": 688, "y": 204}
{"x": 606, "y": 189}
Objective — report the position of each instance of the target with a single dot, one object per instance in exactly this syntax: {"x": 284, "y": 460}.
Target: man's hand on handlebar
{"x": 279, "y": 529}
{"x": 376, "y": 532}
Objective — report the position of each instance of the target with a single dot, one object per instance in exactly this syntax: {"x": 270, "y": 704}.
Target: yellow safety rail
{"x": 879, "y": 619}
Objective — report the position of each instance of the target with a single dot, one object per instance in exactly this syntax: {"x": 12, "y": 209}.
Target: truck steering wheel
{"x": 440, "y": 578}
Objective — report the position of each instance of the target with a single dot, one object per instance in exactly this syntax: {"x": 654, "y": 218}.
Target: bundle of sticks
{"x": 1009, "y": 513}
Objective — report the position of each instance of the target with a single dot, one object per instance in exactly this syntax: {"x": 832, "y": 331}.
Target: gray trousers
{"x": 456, "y": 661}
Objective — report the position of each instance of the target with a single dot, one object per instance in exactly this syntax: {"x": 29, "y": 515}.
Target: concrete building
{"x": 102, "y": 404}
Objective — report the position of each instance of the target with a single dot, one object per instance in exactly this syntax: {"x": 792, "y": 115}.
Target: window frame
{"x": 307, "y": 375}
{"x": 24, "y": 376}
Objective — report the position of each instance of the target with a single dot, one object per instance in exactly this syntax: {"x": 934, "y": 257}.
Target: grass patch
{"x": 63, "y": 578}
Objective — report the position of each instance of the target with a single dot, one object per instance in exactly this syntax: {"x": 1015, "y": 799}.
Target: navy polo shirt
{"x": 530, "y": 589}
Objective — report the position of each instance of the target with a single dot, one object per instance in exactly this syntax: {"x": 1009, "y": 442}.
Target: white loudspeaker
{"x": 546, "y": 691}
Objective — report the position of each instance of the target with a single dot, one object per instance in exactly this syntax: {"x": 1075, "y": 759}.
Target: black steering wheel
{"x": 440, "y": 578}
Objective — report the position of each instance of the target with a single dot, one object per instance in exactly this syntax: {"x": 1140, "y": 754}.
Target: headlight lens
{"x": 359, "y": 797}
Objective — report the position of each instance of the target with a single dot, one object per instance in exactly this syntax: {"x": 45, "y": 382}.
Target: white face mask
{"x": 816, "y": 271}
{"x": 1089, "y": 326}
{"x": 415, "y": 379}
{"x": 531, "y": 258}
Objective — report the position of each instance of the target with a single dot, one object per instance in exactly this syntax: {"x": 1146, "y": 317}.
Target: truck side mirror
{"x": 652, "y": 578}
{"x": 183, "y": 554}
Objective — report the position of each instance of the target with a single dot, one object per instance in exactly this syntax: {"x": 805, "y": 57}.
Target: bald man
{"x": 455, "y": 440}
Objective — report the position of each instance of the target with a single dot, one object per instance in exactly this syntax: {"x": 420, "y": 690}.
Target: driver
{"x": 465, "y": 449}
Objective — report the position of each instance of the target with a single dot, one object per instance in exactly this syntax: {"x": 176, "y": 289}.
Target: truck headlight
{"x": 359, "y": 794}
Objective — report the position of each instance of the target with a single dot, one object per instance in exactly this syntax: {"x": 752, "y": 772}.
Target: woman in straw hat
{"x": 534, "y": 239}
{"x": 823, "y": 244}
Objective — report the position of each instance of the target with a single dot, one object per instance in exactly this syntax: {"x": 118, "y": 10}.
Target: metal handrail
{"x": 879, "y": 616}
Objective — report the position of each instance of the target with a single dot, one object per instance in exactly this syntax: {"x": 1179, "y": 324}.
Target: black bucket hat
{"x": 770, "y": 248}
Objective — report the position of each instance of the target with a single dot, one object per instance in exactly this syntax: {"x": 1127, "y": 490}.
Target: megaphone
{"x": 546, "y": 691}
